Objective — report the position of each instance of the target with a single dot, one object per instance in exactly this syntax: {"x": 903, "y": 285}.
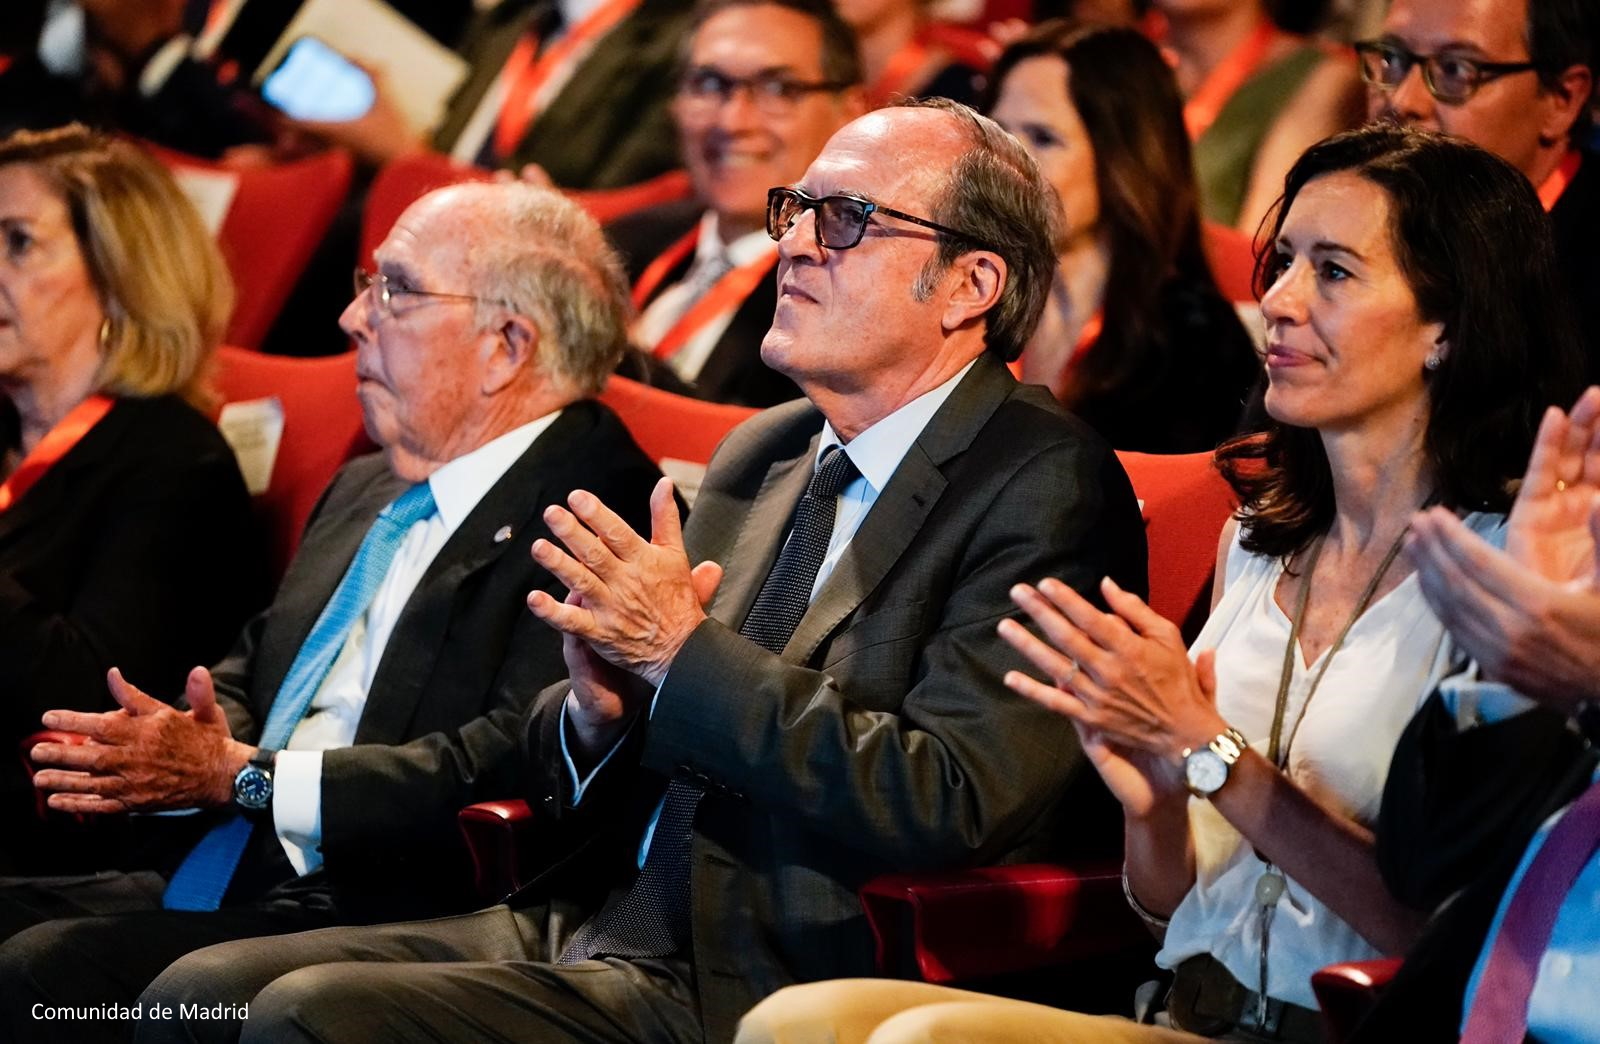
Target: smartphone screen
{"x": 316, "y": 82}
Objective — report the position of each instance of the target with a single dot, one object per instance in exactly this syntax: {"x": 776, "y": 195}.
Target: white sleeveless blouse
{"x": 1390, "y": 661}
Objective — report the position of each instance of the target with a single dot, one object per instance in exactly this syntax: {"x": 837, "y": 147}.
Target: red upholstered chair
{"x": 322, "y": 429}
{"x": 24, "y": 751}
{"x": 1232, "y": 258}
{"x": 275, "y": 222}
{"x": 668, "y": 426}
{"x": 408, "y": 178}
{"x": 977, "y": 924}
{"x": 1347, "y": 991}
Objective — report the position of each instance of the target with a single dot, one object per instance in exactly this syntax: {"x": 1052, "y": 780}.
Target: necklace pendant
{"x": 1269, "y": 887}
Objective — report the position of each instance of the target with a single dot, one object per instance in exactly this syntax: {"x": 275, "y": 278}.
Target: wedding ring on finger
{"x": 1073, "y": 673}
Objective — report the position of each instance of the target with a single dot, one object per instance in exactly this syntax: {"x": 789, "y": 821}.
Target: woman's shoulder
{"x": 166, "y": 433}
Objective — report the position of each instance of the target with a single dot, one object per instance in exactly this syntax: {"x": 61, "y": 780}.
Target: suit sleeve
{"x": 952, "y": 767}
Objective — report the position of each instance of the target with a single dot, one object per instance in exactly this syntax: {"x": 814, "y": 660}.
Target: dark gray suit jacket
{"x": 440, "y": 726}
{"x": 610, "y": 125}
{"x": 882, "y": 739}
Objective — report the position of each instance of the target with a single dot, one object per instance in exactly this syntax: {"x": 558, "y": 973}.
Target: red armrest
{"x": 1347, "y": 991}
{"x": 497, "y": 834}
{"x": 25, "y": 750}
{"x": 1000, "y": 920}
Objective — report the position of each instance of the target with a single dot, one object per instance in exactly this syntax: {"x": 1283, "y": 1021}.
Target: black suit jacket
{"x": 1459, "y": 809}
{"x": 734, "y": 371}
{"x": 135, "y": 550}
{"x": 610, "y": 125}
{"x": 465, "y": 657}
{"x": 882, "y": 738}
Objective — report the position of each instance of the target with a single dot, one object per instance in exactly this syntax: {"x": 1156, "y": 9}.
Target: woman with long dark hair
{"x": 1136, "y": 338}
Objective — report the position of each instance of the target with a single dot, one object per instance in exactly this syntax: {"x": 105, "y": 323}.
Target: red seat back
{"x": 1232, "y": 258}
{"x": 322, "y": 429}
{"x": 1185, "y": 502}
{"x": 671, "y": 426}
{"x": 274, "y": 224}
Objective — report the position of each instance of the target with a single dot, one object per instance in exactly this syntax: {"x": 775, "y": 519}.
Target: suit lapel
{"x": 904, "y": 505}
{"x": 762, "y": 534}
{"x": 414, "y": 645}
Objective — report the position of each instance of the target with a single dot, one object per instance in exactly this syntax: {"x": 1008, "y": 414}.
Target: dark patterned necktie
{"x": 652, "y": 919}
{"x": 1500, "y": 1006}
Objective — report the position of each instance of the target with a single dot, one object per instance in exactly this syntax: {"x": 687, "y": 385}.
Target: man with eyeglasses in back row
{"x": 764, "y": 84}
{"x": 804, "y": 688}
{"x": 1515, "y": 77}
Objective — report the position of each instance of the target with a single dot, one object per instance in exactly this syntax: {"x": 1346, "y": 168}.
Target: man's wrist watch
{"x": 252, "y": 787}
{"x": 1205, "y": 769}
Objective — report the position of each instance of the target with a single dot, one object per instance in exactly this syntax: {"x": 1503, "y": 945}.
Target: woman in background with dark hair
{"x": 1416, "y": 331}
{"x": 1136, "y": 339}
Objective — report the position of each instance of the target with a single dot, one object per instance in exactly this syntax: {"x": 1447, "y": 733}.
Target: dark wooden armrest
{"x": 1347, "y": 991}
{"x": 974, "y": 924}
{"x": 499, "y": 835}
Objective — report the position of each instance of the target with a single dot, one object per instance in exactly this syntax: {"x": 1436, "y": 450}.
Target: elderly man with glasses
{"x": 1516, "y": 77}
{"x": 804, "y": 688}
{"x": 384, "y": 686}
{"x": 765, "y": 83}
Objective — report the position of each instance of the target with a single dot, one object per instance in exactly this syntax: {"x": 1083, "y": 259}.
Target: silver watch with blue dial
{"x": 252, "y": 787}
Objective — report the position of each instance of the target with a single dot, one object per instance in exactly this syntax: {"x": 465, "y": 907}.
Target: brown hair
{"x": 163, "y": 287}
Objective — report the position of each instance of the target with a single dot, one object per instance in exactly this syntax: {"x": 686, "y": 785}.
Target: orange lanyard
{"x": 897, "y": 74}
{"x": 57, "y": 442}
{"x": 724, "y": 294}
{"x": 1554, "y": 185}
{"x": 527, "y": 71}
{"x": 652, "y": 277}
{"x": 1203, "y": 106}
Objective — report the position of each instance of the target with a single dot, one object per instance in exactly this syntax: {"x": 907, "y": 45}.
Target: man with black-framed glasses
{"x": 804, "y": 687}
{"x": 764, "y": 84}
{"x": 1516, "y": 77}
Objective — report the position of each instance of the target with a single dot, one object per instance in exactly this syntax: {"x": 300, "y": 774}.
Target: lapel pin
{"x": 502, "y": 534}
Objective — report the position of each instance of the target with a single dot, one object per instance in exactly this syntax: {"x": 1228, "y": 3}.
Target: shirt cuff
{"x": 580, "y": 785}
{"x": 1473, "y": 702}
{"x": 297, "y": 806}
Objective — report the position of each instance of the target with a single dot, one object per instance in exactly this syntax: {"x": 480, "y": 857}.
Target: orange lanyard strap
{"x": 1203, "y": 106}
{"x": 1554, "y": 185}
{"x": 57, "y": 443}
{"x": 654, "y": 275}
{"x": 527, "y": 71}
{"x": 902, "y": 67}
{"x": 725, "y": 294}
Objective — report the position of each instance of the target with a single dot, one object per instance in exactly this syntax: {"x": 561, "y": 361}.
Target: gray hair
{"x": 549, "y": 262}
{"x": 998, "y": 199}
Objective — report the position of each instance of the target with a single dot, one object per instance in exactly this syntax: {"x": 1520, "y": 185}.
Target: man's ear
{"x": 979, "y": 276}
{"x": 1566, "y": 102}
{"x": 514, "y": 345}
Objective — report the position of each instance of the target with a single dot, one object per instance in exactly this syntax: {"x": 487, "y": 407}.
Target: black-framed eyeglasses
{"x": 386, "y": 291}
{"x": 841, "y": 220}
{"x": 773, "y": 94}
{"x": 1450, "y": 77}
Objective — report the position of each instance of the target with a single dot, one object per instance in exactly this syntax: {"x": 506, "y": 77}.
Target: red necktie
{"x": 1500, "y": 1007}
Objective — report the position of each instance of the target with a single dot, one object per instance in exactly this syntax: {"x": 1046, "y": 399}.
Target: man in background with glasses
{"x": 1516, "y": 77}
{"x": 384, "y": 687}
{"x": 764, "y": 84}
{"x": 804, "y": 688}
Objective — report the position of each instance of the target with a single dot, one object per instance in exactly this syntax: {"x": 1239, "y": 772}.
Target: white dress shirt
{"x": 876, "y": 453}
{"x": 336, "y": 709}
{"x": 673, "y": 303}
